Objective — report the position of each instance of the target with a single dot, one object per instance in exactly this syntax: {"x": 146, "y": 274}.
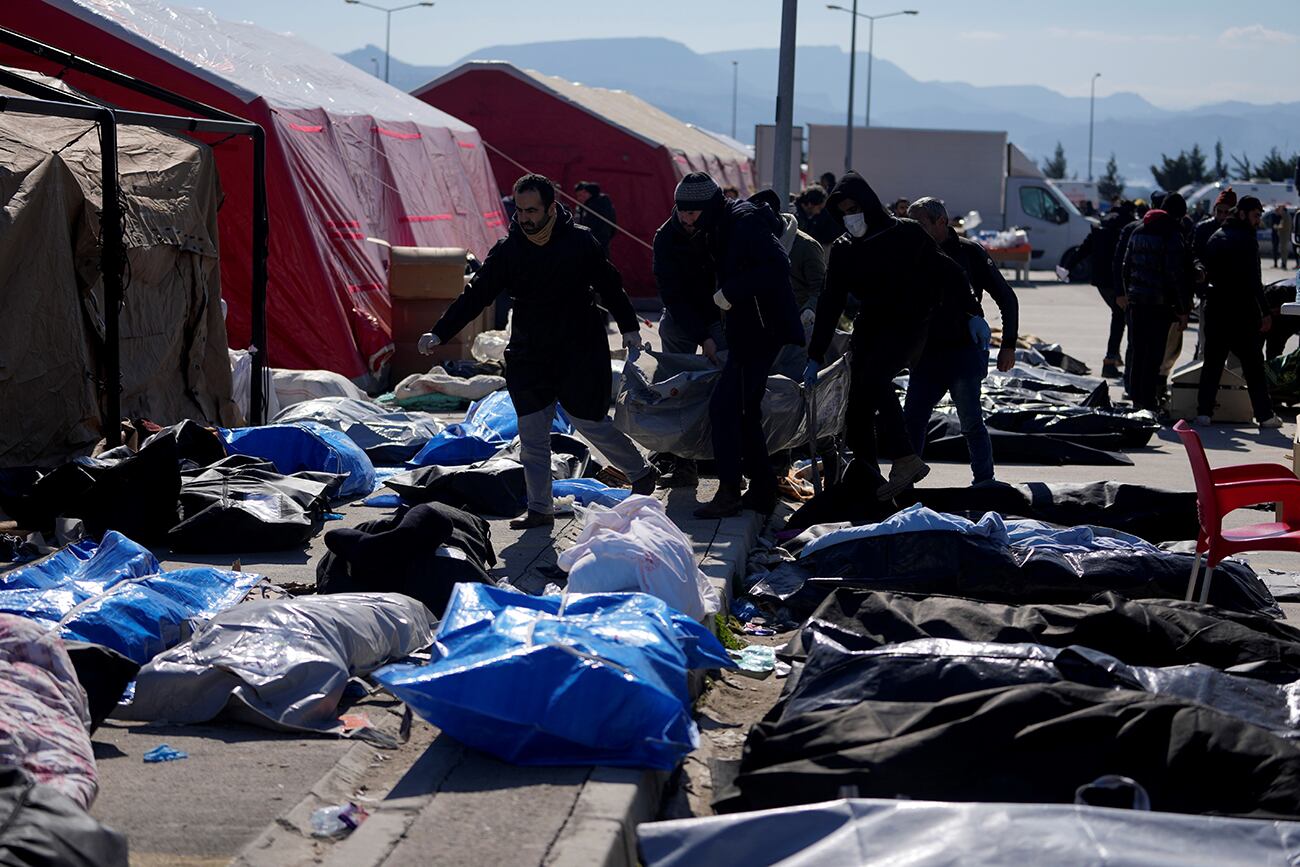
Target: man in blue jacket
{"x": 759, "y": 316}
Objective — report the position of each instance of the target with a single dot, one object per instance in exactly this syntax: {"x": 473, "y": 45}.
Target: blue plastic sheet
{"x": 915, "y": 519}
{"x": 599, "y": 680}
{"x": 306, "y": 445}
{"x": 585, "y": 492}
{"x": 489, "y": 424}
{"x": 117, "y": 595}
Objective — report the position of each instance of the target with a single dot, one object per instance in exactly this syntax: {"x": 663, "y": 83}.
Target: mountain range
{"x": 698, "y": 89}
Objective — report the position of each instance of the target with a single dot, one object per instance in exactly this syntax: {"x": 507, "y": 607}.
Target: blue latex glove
{"x": 980, "y": 333}
{"x": 810, "y": 373}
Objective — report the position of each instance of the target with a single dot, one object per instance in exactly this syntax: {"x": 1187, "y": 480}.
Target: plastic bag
{"x": 598, "y": 679}
{"x": 306, "y": 445}
{"x": 490, "y": 346}
{"x": 636, "y": 546}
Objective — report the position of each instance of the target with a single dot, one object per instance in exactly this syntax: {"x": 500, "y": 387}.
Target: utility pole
{"x": 853, "y": 74}
{"x": 388, "y": 25}
{"x": 871, "y": 57}
{"x": 785, "y": 103}
{"x": 735, "y": 93}
{"x": 1092, "y": 103}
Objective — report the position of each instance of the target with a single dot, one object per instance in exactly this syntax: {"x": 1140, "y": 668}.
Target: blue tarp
{"x": 914, "y": 519}
{"x": 489, "y": 425}
{"x": 116, "y": 594}
{"x": 588, "y": 491}
{"x": 599, "y": 680}
{"x": 306, "y": 445}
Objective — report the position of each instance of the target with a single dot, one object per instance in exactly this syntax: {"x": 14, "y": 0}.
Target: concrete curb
{"x": 588, "y": 819}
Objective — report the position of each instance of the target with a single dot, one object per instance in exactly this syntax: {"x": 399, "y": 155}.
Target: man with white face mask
{"x": 897, "y": 272}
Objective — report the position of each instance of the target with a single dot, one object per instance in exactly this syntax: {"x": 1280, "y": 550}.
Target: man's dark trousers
{"x": 1148, "y": 332}
{"x": 736, "y": 417}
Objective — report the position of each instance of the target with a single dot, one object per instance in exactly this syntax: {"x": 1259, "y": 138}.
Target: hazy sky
{"x": 1176, "y": 53}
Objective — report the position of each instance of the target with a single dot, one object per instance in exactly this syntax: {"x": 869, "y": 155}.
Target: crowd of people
{"x": 753, "y": 288}
{"x": 1153, "y": 265}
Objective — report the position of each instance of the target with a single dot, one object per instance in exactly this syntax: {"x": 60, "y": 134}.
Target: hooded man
{"x": 686, "y": 280}
{"x": 1157, "y": 289}
{"x": 558, "y": 280}
{"x": 1237, "y": 315}
{"x": 596, "y": 212}
{"x": 954, "y": 362}
{"x": 898, "y": 274}
{"x": 1102, "y": 246}
{"x": 759, "y": 316}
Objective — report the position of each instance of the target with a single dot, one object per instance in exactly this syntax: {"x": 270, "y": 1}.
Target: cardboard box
{"x": 1233, "y": 403}
{"x": 426, "y": 272}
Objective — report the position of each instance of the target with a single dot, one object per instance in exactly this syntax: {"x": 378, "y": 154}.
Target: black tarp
{"x": 40, "y": 827}
{"x": 1035, "y": 743}
{"x": 1145, "y": 632}
{"x": 932, "y": 669}
{"x": 493, "y": 487}
{"x": 103, "y": 673}
{"x": 399, "y": 554}
{"x": 1150, "y": 513}
{"x": 956, "y": 564}
{"x": 242, "y": 504}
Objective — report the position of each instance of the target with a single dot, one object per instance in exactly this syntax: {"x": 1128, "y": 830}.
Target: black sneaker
{"x": 646, "y": 484}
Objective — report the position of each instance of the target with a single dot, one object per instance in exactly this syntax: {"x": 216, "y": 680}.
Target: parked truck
{"x": 971, "y": 170}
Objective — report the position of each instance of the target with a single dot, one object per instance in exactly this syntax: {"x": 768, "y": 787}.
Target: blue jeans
{"x": 960, "y": 372}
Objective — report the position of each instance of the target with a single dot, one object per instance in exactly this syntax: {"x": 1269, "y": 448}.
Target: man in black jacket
{"x": 1157, "y": 287}
{"x": 759, "y": 316}
{"x": 1101, "y": 247}
{"x": 596, "y": 212}
{"x": 684, "y": 275}
{"x": 556, "y": 275}
{"x": 1236, "y": 313}
{"x": 898, "y": 274}
{"x": 956, "y": 358}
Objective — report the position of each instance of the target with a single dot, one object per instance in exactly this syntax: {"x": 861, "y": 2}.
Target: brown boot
{"x": 533, "y": 519}
{"x": 725, "y": 503}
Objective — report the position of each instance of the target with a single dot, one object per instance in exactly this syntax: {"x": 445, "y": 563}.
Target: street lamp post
{"x": 388, "y": 24}
{"x": 1092, "y": 104}
{"x": 871, "y": 56}
{"x": 735, "y": 93}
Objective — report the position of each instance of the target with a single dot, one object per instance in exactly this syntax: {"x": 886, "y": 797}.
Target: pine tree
{"x": 1055, "y": 167}
{"x": 1110, "y": 184}
{"x": 1241, "y": 170}
{"x": 1196, "y": 166}
{"x": 1276, "y": 167}
{"x": 1220, "y": 167}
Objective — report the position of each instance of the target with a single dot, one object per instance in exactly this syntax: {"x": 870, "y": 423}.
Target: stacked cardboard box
{"x": 422, "y": 283}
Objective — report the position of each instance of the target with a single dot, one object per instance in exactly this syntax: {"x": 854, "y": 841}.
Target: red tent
{"x": 570, "y": 132}
{"x": 348, "y": 157}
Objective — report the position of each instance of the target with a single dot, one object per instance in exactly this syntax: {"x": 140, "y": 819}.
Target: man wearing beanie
{"x": 897, "y": 272}
{"x": 558, "y": 354}
{"x": 759, "y": 316}
{"x": 1157, "y": 285}
{"x": 1236, "y": 313}
{"x": 685, "y": 278}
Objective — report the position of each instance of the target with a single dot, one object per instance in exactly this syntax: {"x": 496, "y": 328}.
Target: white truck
{"x": 971, "y": 170}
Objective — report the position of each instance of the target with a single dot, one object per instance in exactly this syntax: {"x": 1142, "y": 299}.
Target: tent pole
{"x": 257, "y": 337}
{"x": 111, "y": 258}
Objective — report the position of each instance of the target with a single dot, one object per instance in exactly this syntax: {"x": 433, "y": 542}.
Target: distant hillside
{"x": 698, "y": 89}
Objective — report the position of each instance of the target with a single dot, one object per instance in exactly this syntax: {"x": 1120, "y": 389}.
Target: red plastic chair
{"x": 1221, "y": 491}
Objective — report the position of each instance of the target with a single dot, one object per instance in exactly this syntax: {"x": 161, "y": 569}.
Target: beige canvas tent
{"x": 173, "y": 342}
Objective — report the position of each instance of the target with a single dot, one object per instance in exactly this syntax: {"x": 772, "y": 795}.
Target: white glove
{"x": 807, "y": 317}
{"x": 428, "y": 340}
{"x": 632, "y": 343}
{"x": 721, "y": 300}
